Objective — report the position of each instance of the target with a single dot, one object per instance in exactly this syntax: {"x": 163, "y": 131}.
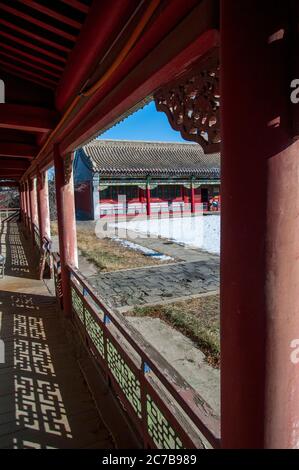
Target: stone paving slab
{"x": 142, "y": 286}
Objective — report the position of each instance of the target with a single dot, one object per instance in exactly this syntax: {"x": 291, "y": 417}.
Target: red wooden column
{"x": 192, "y": 193}
{"x": 21, "y": 197}
{"x": 24, "y": 203}
{"x": 148, "y": 198}
{"x": 66, "y": 221}
{"x": 33, "y": 205}
{"x": 27, "y": 197}
{"x": 260, "y": 233}
{"x": 43, "y": 205}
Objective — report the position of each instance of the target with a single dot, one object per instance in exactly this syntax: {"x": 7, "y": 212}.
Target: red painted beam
{"x": 100, "y": 29}
{"x": 35, "y": 36}
{"x": 52, "y": 13}
{"x": 18, "y": 150}
{"x": 28, "y": 75}
{"x": 31, "y": 45}
{"x": 31, "y": 57}
{"x": 7, "y": 173}
{"x": 34, "y": 21}
{"x": 27, "y": 118}
{"x": 13, "y": 164}
{"x": 9, "y": 184}
{"x": 17, "y": 61}
{"x": 77, "y": 5}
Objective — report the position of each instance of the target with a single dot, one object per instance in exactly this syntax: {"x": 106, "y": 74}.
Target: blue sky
{"x": 145, "y": 124}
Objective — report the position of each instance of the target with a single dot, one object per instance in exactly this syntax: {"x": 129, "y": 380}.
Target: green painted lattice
{"x": 77, "y": 304}
{"x": 125, "y": 377}
{"x": 163, "y": 435}
{"x": 94, "y": 332}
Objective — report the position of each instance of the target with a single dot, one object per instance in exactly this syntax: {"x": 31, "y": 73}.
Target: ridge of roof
{"x": 96, "y": 142}
{"x": 149, "y": 158}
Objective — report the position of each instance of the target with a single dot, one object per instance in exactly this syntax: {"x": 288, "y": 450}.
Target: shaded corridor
{"x": 44, "y": 401}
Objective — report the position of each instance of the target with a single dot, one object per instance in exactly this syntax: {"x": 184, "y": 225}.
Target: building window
{"x": 112, "y": 192}
{"x": 167, "y": 192}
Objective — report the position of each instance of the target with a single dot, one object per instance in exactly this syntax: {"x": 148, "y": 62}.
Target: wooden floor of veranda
{"x": 44, "y": 401}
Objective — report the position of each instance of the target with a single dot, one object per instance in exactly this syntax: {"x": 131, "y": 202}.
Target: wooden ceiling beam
{"x": 27, "y": 118}
{"x": 28, "y": 75}
{"x": 35, "y": 67}
{"x": 77, "y": 5}
{"x": 19, "y": 41}
{"x": 18, "y": 150}
{"x": 14, "y": 164}
{"x": 52, "y": 13}
{"x": 7, "y": 173}
{"x": 35, "y": 36}
{"x": 35, "y": 21}
{"x": 41, "y": 60}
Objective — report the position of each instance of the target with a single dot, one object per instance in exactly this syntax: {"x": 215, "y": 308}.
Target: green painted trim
{"x": 142, "y": 183}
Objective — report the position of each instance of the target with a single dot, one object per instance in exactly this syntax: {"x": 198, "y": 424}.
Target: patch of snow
{"x": 142, "y": 249}
{"x": 202, "y": 231}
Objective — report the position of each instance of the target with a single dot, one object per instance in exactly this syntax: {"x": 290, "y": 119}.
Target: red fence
{"x": 166, "y": 410}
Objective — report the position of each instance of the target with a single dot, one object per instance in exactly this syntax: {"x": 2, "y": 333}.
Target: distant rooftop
{"x": 139, "y": 158}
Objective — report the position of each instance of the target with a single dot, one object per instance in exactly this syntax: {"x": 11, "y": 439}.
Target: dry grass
{"x": 106, "y": 254}
{"x": 198, "y": 319}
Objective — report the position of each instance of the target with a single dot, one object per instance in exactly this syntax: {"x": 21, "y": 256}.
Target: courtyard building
{"x": 137, "y": 177}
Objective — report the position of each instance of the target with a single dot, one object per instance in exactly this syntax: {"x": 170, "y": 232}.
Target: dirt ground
{"x": 106, "y": 254}
{"x": 197, "y": 318}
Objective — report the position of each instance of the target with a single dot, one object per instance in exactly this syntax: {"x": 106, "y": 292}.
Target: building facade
{"x": 143, "y": 178}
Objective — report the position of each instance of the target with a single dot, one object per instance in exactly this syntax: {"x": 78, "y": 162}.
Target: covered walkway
{"x": 44, "y": 400}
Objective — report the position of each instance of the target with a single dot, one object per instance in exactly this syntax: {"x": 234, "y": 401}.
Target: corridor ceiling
{"x": 71, "y": 67}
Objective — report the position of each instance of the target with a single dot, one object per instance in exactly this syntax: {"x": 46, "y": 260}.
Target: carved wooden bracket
{"x": 68, "y": 167}
{"x": 40, "y": 180}
{"x": 192, "y": 104}
{"x": 30, "y": 184}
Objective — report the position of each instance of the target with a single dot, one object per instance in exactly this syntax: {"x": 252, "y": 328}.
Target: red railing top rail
{"x": 188, "y": 399}
{"x": 9, "y": 208}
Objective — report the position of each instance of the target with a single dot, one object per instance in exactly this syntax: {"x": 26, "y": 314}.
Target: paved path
{"x": 192, "y": 272}
{"x": 44, "y": 401}
{"x": 157, "y": 283}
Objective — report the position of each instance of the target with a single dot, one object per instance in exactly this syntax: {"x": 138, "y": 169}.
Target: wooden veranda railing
{"x": 43, "y": 246}
{"x": 166, "y": 410}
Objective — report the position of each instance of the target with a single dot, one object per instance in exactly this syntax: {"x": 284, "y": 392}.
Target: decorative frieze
{"x": 68, "y": 167}
{"x": 192, "y": 104}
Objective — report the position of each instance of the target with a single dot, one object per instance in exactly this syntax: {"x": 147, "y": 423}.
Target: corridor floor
{"x": 44, "y": 401}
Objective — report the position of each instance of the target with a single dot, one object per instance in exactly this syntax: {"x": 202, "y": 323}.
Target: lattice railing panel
{"x": 77, "y": 304}
{"x": 125, "y": 377}
{"x": 160, "y": 430}
{"x": 95, "y": 332}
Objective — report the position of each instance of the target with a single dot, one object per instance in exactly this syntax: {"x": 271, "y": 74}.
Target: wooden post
{"x": 192, "y": 192}
{"x": 27, "y": 196}
{"x": 148, "y": 198}
{"x": 22, "y": 206}
{"x": 33, "y": 206}
{"x": 66, "y": 221}
{"x": 43, "y": 205}
{"x": 259, "y": 235}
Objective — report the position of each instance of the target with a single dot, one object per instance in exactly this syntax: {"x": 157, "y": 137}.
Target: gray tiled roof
{"x": 137, "y": 158}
